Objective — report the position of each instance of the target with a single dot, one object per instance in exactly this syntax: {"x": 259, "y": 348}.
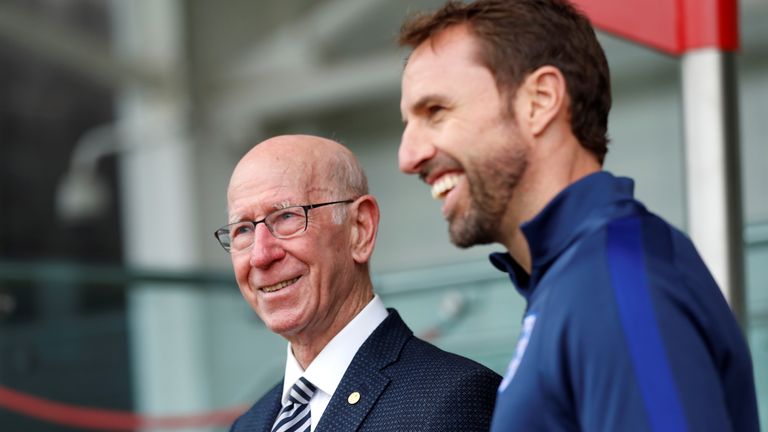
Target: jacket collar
{"x": 577, "y": 210}
{"x": 364, "y": 376}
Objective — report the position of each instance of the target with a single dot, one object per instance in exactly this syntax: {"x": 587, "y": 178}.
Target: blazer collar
{"x": 364, "y": 376}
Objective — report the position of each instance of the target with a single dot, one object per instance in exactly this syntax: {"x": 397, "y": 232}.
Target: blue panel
{"x": 630, "y": 284}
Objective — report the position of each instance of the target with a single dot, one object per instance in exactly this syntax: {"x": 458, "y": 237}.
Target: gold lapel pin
{"x": 353, "y": 398}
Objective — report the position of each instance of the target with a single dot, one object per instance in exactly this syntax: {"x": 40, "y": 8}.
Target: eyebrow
{"x": 424, "y": 101}
{"x": 237, "y": 218}
{"x": 277, "y": 206}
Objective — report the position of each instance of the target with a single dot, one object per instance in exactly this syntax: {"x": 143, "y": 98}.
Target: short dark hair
{"x": 517, "y": 37}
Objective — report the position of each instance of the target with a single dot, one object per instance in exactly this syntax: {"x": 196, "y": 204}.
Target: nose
{"x": 415, "y": 149}
{"x": 266, "y": 249}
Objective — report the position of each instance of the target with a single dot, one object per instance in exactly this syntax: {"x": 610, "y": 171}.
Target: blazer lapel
{"x": 363, "y": 382}
{"x": 272, "y": 413}
{"x": 267, "y": 411}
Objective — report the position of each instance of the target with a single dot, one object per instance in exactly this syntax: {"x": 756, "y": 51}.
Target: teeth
{"x": 444, "y": 185}
{"x": 278, "y": 286}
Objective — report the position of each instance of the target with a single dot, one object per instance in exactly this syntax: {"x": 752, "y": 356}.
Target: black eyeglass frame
{"x": 307, "y": 207}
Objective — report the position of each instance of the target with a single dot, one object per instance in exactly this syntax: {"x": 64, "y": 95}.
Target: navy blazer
{"x": 405, "y": 384}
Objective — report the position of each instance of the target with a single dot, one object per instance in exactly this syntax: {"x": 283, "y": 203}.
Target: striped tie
{"x": 295, "y": 417}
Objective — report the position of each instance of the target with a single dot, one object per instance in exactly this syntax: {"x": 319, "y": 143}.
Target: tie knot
{"x": 301, "y": 392}
{"x": 295, "y": 415}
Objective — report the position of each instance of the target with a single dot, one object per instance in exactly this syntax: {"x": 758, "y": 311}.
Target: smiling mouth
{"x": 444, "y": 185}
{"x": 278, "y": 286}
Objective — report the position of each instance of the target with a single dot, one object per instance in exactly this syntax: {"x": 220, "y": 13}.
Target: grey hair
{"x": 348, "y": 178}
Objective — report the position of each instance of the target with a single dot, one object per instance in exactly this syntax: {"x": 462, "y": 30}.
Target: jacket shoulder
{"x": 442, "y": 362}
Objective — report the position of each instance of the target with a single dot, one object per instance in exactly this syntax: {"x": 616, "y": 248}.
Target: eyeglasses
{"x": 282, "y": 224}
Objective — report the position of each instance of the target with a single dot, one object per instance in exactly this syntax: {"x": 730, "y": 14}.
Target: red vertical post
{"x": 672, "y": 26}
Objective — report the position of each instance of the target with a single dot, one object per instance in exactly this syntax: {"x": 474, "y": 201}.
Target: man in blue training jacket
{"x": 505, "y": 105}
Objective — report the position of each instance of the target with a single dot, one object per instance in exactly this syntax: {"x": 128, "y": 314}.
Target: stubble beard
{"x": 490, "y": 193}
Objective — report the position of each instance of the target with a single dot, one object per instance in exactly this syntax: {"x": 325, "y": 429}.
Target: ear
{"x": 543, "y": 95}
{"x": 364, "y": 214}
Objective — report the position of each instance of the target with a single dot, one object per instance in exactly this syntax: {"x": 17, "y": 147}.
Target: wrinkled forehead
{"x": 280, "y": 176}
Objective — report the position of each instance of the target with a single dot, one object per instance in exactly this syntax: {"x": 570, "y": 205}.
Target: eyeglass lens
{"x": 281, "y": 223}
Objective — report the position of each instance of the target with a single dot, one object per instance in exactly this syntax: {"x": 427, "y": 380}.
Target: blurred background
{"x": 120, "y": 123}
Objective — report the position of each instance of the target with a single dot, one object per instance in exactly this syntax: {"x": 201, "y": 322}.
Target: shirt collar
{"x": 584, "y": 204}
{"x": 328, "y": 368}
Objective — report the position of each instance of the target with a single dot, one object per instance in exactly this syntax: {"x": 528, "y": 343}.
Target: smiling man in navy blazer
{"x": 301, "y": 232}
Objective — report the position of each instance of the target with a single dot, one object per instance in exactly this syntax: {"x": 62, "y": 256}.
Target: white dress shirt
{"x": 327, "y": 369}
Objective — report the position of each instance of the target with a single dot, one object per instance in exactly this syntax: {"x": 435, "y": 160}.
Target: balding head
{"x": 308, "y": 281}
{"x": 316, "y": 164}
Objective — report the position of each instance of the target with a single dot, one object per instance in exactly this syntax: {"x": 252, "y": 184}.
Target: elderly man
{"x": 505, "y": 104}
{"x": 301, "y": 233}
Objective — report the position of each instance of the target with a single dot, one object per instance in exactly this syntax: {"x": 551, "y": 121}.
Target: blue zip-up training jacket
{"x": 625, "y": 329}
